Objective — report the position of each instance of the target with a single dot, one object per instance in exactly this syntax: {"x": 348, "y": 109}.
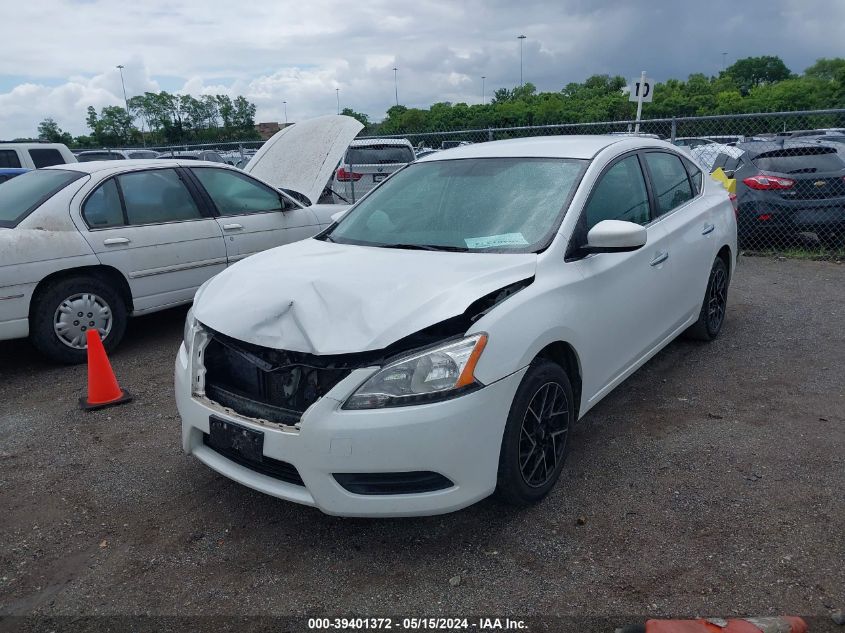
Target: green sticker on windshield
{"x": 493, "y": 241}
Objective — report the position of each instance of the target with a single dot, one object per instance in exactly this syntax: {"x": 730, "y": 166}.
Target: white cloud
{"x": 272, "y": 51}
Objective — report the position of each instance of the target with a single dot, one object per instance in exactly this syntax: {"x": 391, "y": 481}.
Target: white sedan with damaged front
{"x": 440, "y": 340}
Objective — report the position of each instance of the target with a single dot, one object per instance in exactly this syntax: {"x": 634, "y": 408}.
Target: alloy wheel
{"x": 543, "y": 436}
{"x": 717, "y": 299}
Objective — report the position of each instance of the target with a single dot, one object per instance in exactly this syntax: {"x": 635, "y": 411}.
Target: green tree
{"x": 360, "y": 116}
{"x": 49, "y": 130}
{"x": 751, "y": 72}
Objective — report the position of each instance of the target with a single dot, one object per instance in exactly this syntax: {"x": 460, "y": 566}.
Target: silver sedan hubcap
{"x": 79, "y": 313}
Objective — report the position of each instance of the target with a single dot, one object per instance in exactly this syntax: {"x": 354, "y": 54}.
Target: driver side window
{"x": 620, "y": 194}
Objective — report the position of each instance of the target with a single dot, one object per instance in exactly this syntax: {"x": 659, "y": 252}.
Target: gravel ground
{"x": 712, "y": 482}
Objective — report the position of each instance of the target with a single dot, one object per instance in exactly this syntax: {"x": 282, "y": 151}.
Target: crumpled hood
{"x": 302, "y": 156}
{"x": 323, "y": 298}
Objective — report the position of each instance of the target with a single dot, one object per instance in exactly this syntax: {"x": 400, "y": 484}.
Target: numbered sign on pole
{"x": 636, "y": 86}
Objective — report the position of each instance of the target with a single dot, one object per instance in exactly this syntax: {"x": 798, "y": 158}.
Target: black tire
{"x": 515, "y": 462}
{"x": 41, "y": 326}
{"x": 714, "y": 306}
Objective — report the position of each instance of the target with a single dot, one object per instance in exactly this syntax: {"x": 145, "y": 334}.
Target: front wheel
{"x": 67, "y": 309}
{"x": 536, "y": 439}
{"x": 715, "y": 305}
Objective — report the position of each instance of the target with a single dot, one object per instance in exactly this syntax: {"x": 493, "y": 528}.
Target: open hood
{"x": 323, "y": 298}
{"x": 302, "y": 156}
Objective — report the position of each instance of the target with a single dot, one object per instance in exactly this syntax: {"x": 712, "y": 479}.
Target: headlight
{"x": 435, "y": 374}
{"x": 188, "y": 329}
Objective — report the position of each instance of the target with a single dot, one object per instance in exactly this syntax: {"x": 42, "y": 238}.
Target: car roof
{"x": 568, "y": 146}
{"x": 119, "y": 165}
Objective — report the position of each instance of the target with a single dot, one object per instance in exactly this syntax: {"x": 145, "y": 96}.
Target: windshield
{"x": 493, "y": 204}
{"x": 22, "y": 195}
{"x": 92, "y": 156}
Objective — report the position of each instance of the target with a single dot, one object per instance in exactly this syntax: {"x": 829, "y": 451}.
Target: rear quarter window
{"x": 45, "y": 157}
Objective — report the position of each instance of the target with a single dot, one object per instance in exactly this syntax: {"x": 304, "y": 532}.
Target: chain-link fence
{"x": 785, "y": 170}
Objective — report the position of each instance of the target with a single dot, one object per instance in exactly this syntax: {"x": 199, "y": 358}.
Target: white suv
{"x": 34, "y": 155}
{"x": 367, "y": 162}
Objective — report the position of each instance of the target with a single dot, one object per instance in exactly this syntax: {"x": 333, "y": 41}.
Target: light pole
{"x": 285, "y": 103}
{"x": 396, "y": 83}
{"x": 337, "y": 94}
{"x": 483, "y": 77}
{"x": 125, "y": 100}
{"x": 521, "y": 39}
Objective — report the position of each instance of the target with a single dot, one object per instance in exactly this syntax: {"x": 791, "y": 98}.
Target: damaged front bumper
{"x": 362, "y": 463}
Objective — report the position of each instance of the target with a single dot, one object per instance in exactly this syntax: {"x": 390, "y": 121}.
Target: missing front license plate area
{"x": 230, "y": 438}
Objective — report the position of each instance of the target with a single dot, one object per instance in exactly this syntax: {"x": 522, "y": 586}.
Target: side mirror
{"x": 336, "y": 216}
{"x": 615, "y": 236}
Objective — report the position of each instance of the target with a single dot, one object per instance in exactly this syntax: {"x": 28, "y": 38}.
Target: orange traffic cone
{"x": 103, "y": 390}
{"x": 782, "y": 624}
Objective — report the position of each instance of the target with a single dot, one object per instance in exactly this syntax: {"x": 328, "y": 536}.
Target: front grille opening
{"x": 413, "y": 482}
{"x": 273, "y": 385}
{"x": 274, "y": 468}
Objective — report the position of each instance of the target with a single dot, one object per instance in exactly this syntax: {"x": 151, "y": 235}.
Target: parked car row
{"x": 786, "y": 188}
{"x": 85, "y": 245}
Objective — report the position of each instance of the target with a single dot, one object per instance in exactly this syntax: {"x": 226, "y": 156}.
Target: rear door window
{"x": 669, "y": 180}
{"x": 799, "y": 161}
{"x": 157, "y": 196}
{"x": 45, "y": 157}
{"x": 379, "y": 155}
{"x": 102, "y": 209}
{"x": 9, "y": 158}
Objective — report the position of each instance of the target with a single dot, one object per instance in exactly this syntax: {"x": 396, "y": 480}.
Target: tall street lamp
{"x": 483, "y": 77}
{"x": 285, "y": 103}
{"x": 125, "y": 100}
{"x": 337, "y": 94}
{"x": 521, "y": 39}
{"x": 396, "y": 83}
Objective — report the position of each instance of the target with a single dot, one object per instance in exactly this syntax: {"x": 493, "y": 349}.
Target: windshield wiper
{"x": 424, "y": 247}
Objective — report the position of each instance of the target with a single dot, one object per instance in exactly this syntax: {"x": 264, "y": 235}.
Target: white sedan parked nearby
{"x": 440, "y": 341}
{"x": 84, "y": 245}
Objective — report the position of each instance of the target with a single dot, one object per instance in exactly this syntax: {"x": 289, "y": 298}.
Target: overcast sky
{"x": 59, "y": 56}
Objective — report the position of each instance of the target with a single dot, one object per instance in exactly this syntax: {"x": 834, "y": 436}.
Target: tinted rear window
{"x": 46, "y": 157}
{"x": 799, "y": 160}
{"x": 379, "y": 155}
{"x": 25, "y": 193}
{"x": 9, "y": 158}
{"x": 87, "y": 158}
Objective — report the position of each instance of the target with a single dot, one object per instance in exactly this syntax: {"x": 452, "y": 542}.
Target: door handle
{"x": 232, "y": 227}
{"x": 112, "y": 241}
{"x": 660, "y": 258}
{"x": 708, "y": 228}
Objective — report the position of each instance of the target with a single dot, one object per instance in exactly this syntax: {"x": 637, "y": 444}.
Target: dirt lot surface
{"x": 712, "y": 482}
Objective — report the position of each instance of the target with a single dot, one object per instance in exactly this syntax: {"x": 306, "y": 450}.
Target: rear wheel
{"x": 714, "y": 306}
{"x": 536, "y": 439}
{"x": 65, "y": 311}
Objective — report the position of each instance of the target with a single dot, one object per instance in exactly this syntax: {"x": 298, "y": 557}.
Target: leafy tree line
{"x": 752, "y": 84}
{"x": 162, "y": 119}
